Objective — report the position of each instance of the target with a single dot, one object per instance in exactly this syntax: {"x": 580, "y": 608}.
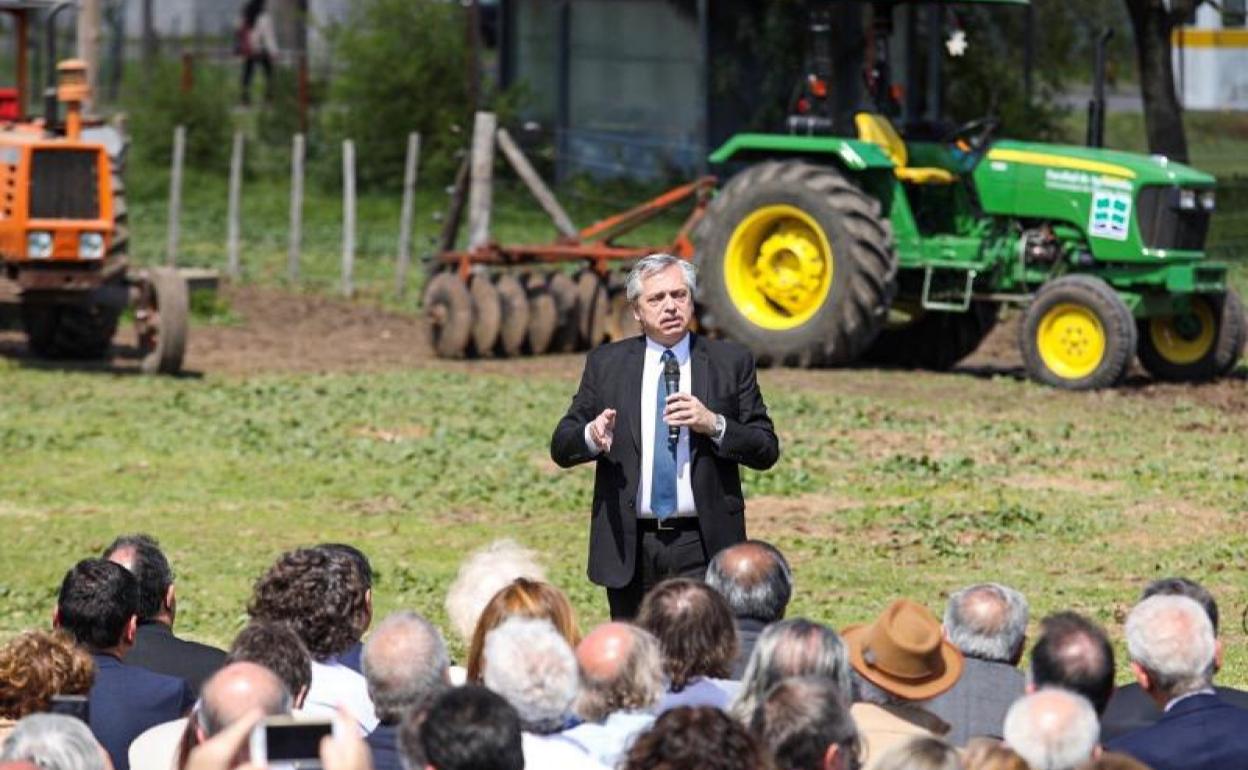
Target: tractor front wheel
{"x": 796, "y": 264}
{"x": 1198, "y": 345}
{"x": 1077, "y": 334}
{"x": 161, "y": 318}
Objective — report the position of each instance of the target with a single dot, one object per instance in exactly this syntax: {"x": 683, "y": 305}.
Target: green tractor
{"x": 835, "y": 243}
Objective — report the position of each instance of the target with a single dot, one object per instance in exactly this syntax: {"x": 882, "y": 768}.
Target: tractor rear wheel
{"x": 934, "y": 339}
{"x": 1077, "y": 334}
{"x": 1200, "y": 345}
{"x": 796, "y": 264}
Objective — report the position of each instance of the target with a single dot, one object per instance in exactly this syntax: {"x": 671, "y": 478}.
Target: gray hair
{"x": 919, "y": 753}
{"x": 788, "y": 648}
{"x": 754, "y": 578}
{"x": 648, "y": 266}
{"x": 484, "y": 573}
{"x": 531, "y": 665}
{"x": 987, "y": 621}
{"x": 1052, "y": 729}
{"x": 801, "y": 717}
{"x": 1171, "y": 638}
{"x": 405, "y": 664}
{"x": 637, "y": 685}
{"x": 53, "y": 742}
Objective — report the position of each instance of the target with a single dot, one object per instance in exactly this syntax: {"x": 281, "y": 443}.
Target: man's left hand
{"x": 686, "y": 410}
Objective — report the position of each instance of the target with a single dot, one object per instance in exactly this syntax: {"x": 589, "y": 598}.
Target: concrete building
{"x": 1211, "y": 58}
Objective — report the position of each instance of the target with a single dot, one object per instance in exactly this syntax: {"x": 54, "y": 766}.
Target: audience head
{"x": 141, "y": 555}
{"x": 279, "y": 649}
{"x": 234, "y": 691}
{"x": 530, "y": 664}
{"x": 54, "y": 742}
{"x": 522, "y": 598}
{"x": 902, "y": 656}
{"x": 806, "y": 724}
{"x": 467, "y": 728}
{"x": 1181, "y": 586}
{"x": 795, "y": 647}
{"x": 701, "y": 738}
{"x": 754, "y": 578}
{"x": 405, "y": 665}
{"x": 920, "y": 753}
{"x": 988, "y": 754}
{"x": 988, "y": 622}
{"x": 621, "y": 669}
{"x": 482, "y": 575}
{"x": 1170, "y": 641}
{"x": 1052, "y": 729}
{"x": 695, "y": 629}
{"x": 35, "y": 665}
{"x": 365, "y": 569}
{"x": 97, "y": 605}
{"x": 320, "y": 594}
{"x": 1075, "y": 654}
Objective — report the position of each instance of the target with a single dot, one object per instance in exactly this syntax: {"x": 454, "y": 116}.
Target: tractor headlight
{"x": 38, "y": 244}
{"x": 90, "y": 246}
{"x": 1187, "y": 200}
{"x": 1208, "y": 200}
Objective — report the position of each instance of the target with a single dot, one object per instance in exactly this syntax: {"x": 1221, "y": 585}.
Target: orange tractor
{"x": 63, "y": 234}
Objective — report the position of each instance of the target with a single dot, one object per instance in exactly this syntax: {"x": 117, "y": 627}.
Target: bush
{"x": 156, "y": 105}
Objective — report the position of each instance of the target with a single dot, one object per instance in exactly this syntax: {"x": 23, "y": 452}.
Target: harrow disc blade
{"x": 592, "y": 305}
{"x": 448, "y": 306}
{"x": 486, "y": 314}
{"x": 543, "y": 314}
{"x": 513, "y": 305}
{"x": 564, "y": 292}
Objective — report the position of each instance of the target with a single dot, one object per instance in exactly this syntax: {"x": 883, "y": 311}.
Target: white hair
{"x": 531, "y": 665}
{"x": 484, "y": 573}
{"x": 1052, "y": 729}
{"x": 648, "y": 266}
{"x": 53, "y": 742}
{"x": 405, "y": 664}
{"x": 1171, "y": 637}
{"x": 988, "y": 635}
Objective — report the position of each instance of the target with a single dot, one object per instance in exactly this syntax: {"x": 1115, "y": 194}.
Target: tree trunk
{"x": 89, "y": 47}
{"x": 1163, "y": 115}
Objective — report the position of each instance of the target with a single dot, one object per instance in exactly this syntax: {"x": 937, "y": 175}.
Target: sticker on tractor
{"x": 1111, "y": 215}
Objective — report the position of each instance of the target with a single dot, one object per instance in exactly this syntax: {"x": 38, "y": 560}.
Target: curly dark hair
{"x": 36, "y": 665}
{"x": 694, "y": 627}
{"x": 319, "y": 593}
{"x": 696, "y": 738}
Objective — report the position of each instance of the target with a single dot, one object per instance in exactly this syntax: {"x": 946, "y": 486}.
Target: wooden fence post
{"x": 233, "y": 225}
{"x": 536, "y": 186}
{"x": 296, "y": 208}
{"x": 175, "y": 195}
{"x": 405, "y": 219}
{"x": 348, "y": 218}
{"x": 480, "y": 190}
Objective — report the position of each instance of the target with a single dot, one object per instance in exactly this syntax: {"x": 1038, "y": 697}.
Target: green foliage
{"x": 156, "y": 104}
{"x": 402, "y": 68}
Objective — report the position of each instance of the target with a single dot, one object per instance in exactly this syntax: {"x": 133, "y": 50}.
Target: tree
{"x": 1153, "y": 22}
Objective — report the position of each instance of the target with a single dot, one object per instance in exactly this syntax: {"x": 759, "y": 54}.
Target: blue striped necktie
{"x": 663, "y": 475}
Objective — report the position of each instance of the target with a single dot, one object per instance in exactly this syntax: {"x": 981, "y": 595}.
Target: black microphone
{"x": 671, "y": 378}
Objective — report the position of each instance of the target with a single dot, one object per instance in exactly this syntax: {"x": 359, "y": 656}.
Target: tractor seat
{"x": 877, "y": 130}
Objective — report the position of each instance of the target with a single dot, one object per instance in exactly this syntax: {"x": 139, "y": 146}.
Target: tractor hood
{"x": 1132, "y": 167}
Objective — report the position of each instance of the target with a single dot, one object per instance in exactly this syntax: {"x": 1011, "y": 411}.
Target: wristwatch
{"x": 721, "y": 425}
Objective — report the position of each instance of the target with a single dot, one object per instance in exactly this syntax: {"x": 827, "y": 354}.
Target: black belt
{"x": 672, "y": 524}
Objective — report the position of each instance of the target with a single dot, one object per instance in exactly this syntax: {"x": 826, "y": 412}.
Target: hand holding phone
{"x": 285, "y": 743}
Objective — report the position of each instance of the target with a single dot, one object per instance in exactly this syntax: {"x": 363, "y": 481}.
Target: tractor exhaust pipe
{"x": 50, "y": 113}
{"x": 1096, "y": 107}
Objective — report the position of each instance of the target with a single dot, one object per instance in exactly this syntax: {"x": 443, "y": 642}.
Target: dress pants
{"x": 661, "y": 554}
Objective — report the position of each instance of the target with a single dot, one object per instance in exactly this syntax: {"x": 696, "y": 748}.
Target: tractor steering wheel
{"x": 973, "y": 137}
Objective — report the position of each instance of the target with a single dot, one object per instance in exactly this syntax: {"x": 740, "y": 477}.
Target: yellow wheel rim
{"x": 1071, "y": 341}
{"x": 1185, "y": 338}
{"x": 778, "y": 267}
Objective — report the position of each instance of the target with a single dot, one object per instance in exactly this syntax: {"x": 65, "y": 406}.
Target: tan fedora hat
{"x": 904, "y": 652}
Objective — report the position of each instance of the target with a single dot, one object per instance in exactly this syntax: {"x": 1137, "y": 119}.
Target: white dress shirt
{"x": 333, "y": 684}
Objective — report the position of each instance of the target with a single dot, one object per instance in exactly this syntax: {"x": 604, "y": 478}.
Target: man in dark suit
{"x": 988, "y": 623}
{"x": 755, "y": 579}
{"x": 1131, "y": 708}
{"x": 1172, "y": 648}
{"x": 155, "y": 646}
{"x": 663, "y": 503}
{"x": 97, "y": 606}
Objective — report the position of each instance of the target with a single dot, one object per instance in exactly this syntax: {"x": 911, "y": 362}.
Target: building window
{"x": 1234, "y": 13}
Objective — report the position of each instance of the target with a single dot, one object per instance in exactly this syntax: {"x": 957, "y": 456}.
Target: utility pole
{"x": 89, "y": 47}
{"x": 149, "y": 36}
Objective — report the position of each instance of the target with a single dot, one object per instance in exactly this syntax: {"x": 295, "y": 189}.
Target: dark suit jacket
{"x": 125, "y": 700}
{"x": 383, "y": 742}
{"x": 722, "y": 378}
{"x": 976, "y": 704}
{"x": 748, "y": 630}
{"x": 1202, "y": 732}
{"x": 1130, "y": 708}
{"x": 157, "y": 649}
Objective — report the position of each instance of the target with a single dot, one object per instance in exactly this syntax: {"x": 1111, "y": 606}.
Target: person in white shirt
{"x": 698, "y": 637}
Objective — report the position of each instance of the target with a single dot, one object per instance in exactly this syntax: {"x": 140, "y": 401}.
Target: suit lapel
{"x": 699, "y": 386}
{"x": 635, "y": 365}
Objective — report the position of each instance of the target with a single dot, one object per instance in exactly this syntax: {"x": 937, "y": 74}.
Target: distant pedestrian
{"x": 256, "y": 43}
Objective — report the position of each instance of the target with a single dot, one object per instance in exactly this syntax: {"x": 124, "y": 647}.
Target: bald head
{"x": 987, "y": 621}
{"x": 1074, "y": 653}
{"x": 754, "y": 578}
{"x": 620, "y": 669}
{"x": 237, "y": 689}
{"x": 1052, "y": 729}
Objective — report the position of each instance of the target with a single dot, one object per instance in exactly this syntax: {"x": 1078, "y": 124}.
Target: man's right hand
{"x": 602, "y": 430}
